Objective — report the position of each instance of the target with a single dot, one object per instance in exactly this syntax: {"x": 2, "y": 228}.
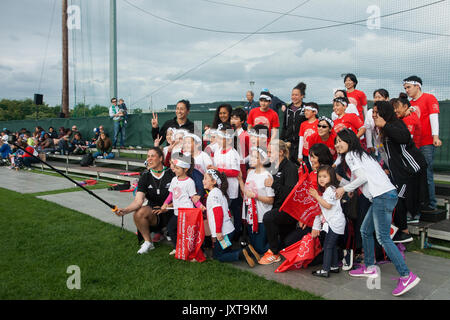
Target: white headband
{"x": 225, "y": 135}
{"x": 181, "y": 163}
{"x": 255, "y": 134}
{"x": 311, "y": 108}
{"x": 213, "y": 174}
{"x": 193, "y": 136}
{"x": 340, "y": 100}
{"x": 266, "y": 97}
{"x": 413, "y": 83}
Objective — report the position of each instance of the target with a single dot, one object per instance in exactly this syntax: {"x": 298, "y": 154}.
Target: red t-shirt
{"x": 413, "y": 124}
{"x": 315, "y": 138}
{"x": 348, "y": 120}
{"x": 31, "y": 150}
{"x": 267, "y": 118}
{"x": 307, "y": 129}
{"x": 359, "y": 99}
{"x": 427, "y": 104}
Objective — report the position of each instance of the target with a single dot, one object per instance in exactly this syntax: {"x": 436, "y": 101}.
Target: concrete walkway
{"x": 434, "y": 271}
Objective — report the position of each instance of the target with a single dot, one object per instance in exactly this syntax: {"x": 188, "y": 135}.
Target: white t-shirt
{"x": 229, "y": 160}
{"x": 255, "y": 183}
{"x": 333, "y": 217}
{"x": 217, "y": 199}
{"x": 182, "y": 191}
{"x": 351, "y": 108}
{"x": 377, "y": 180}
{"x": 202, "y": 161}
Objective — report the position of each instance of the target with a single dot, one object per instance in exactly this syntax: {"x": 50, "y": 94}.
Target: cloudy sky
{"x": 161, "y": 62}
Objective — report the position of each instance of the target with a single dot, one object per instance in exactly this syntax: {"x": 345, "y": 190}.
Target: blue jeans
{"x": 227, "y": 255}
{"x": 378, "y": 219}
{"x": 98, "y": 154}
{"x": 119, "y": 127}
{"x": 258, "y": 240}
{"x": 330, "y": 250}
{"x": 428, "y": 153}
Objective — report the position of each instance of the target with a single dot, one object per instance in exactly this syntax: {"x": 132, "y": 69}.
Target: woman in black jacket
{"x": 284, "y": 178}
{"x": 404, "y": 161}
{"x": 293, "y": 118}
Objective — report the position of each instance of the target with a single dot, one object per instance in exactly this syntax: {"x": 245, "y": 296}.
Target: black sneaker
{"x": 402, "y": 237}
{"x": 428, "y": 209}
{"x": 347, "y": 262}
{"x": 334, "y": 270}
{"x": 321, "y": 273}
{"x": 412, "y": 219}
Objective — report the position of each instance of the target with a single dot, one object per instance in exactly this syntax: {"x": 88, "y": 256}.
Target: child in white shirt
{"x": 332, "y": 219}
{"x": 182, "y": 193}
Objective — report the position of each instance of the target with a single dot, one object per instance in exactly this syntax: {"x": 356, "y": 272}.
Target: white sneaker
{"x": 146, "y": 247}
{"x": 172, "y": 252}
{"x": 347, "y": 261}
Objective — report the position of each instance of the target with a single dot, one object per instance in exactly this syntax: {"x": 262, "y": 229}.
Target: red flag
{"x": 300, "y": 254}
{"x": 190, "y": 234}
{"x": 299, "y": 203}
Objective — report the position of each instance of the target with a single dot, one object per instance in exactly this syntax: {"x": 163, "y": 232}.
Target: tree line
{"x": 26, "y": 109}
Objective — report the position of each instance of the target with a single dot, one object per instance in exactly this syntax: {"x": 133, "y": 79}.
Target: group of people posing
{"x": 370, "y": 169}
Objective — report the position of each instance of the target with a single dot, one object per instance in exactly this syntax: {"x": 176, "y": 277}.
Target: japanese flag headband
{"x": 214, "y": 175}
{"x": 415, "y": 83}
{"x": 255, "y": 134}
{"x": 311, "y": 108}
{"x": 181, "y": 163}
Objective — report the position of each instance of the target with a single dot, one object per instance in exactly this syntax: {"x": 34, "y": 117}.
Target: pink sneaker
{"x": 362, "y": 271}
{"x": 404, "y": 285}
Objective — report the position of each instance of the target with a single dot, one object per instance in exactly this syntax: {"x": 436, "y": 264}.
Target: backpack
{"x": 87, "y": 160}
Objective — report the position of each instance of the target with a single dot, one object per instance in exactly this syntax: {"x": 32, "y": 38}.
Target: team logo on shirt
{"x": 262, "y": 120}
{"x": 177, "y": 192}
{"x": 309, "y": 132}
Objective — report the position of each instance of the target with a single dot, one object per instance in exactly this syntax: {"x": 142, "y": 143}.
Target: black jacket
{"x": 284, "y": 180}
{"x": 189, "y": 125}
{"x": 291, "y": 124}
{"x": 405, "y": 160}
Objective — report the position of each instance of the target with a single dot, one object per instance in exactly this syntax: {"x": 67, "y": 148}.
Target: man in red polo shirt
{"x": 264, "y": 115}
{"x": 427, "y": 107}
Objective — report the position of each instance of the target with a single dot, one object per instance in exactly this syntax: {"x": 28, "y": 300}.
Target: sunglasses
{"x": 322, "y": 126}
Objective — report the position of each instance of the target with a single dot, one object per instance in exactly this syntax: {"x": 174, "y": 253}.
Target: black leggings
{"x": 278, "y": 226}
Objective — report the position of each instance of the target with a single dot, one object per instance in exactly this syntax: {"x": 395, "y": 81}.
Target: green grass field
{"x": 40, "y": 240}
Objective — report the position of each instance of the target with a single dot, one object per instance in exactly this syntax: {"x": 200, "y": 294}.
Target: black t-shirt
{"x": 156, "y": 190}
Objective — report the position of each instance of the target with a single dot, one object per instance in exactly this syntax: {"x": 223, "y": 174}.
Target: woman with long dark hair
{"x": 222, "y": 115}
{"x": 406, "y": 164}
{"x": 368, "y": 175}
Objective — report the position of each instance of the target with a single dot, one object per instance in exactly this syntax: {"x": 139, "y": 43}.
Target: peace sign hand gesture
{"x": 155, "y": 120}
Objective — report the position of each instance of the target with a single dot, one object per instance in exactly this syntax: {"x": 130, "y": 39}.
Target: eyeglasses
{"x": 322, "y": 126}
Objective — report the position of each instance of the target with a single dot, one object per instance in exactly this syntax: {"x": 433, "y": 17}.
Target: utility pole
{"x": 65, "y": 62}
{"x": 112, "y": 50}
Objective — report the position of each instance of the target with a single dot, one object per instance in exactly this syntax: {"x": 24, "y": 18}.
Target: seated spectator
{"x": 47, "y": 144}
{"x": 5, "y": 150}
{"x": 26, "y": 158}
{"x": 52, "y": 133}
{"x": 78, "y": 144}
{"x": 104, "y": 147}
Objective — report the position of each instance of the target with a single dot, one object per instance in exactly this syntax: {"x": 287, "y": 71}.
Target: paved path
{"x": 434, "y": 271}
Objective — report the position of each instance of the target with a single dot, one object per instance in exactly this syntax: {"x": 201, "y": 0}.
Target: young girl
{"x": 332, "y": 219}
{"x": 182, "y": 193}
{"x": 368, "y": 175}
{"x": 227, "y": 160}
{"x": 307, "y": 129}
{"x": 258, "y": 198}
{"x": 192, "y": 144}
{"x": 212, "y": 147}
{"x": 219, "y": 219}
